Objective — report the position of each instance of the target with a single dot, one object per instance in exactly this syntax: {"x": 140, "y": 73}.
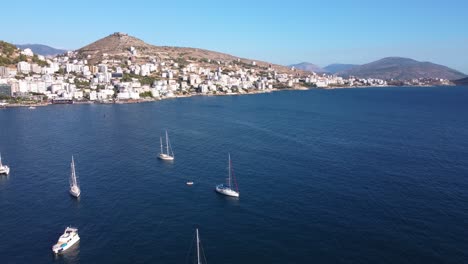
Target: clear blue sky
{"x": 283, "y": 32}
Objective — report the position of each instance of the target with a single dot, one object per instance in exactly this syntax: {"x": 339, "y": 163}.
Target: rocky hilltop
{"x": 118, "y": 46}
{"x": 402, "y": 69}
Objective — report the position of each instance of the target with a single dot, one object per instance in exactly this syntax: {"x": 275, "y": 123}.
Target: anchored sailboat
{"x": 227, "y": 189}
{"x": 169, "y": 155}
{"x": 4, "y": 169}
{"x": 74, "y": 187}
{"x": 198, "y": 249}
{"x": 200, "y": 257}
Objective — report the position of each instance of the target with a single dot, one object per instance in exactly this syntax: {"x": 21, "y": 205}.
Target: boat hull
{"x": 75, "y": 192}
{"x": 5, "y": 170}
{"x": 165, "y": 157}
{"x": 226, "y": 191}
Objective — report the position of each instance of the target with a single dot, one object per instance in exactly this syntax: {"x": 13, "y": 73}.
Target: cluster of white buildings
{"x": 67, "y": 77}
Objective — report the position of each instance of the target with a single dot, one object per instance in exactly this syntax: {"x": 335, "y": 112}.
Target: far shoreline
{"x": 153, "y": 100}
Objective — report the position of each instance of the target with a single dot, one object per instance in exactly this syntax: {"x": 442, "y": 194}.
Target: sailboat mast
{"x": 229, "y": 181}
{"x": 1, "y": 160}
{"x": 73, "y": 176}
{"x": 160, "y": 140}
{"x": 167, "y": 143}
{"x": 198, "y": 249}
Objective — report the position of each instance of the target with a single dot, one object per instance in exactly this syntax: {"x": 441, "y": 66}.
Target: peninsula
{"x": 123, "y": 69}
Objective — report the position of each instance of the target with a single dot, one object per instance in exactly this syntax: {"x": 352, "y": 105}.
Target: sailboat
{"x": 227, "y": 189}
{"x": 74, "y": 187}
{"x": 4, "y": 169}
{"x": 169, "y": 155}
{"x": 200, "y": 251}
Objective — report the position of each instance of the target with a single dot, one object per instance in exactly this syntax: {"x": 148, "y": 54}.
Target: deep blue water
{"x": 326, "y": 176}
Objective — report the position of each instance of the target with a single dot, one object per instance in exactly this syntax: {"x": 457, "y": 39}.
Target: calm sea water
{"x": 339, "y": 176}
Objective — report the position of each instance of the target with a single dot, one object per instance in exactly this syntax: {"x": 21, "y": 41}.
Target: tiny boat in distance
{"x": 32, "y": 107}
{"x": 68, "y": 239}
{"x": 190, "y": 183}
{"x": 74, "y": 187}
{"x": 227, "y": 189}
{"x": 169, "y": 155}
{"x": 4, "y": 169}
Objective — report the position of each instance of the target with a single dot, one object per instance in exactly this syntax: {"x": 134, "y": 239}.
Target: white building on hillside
{"x": 27, "y": 52}
{"x": 24, "y": 67}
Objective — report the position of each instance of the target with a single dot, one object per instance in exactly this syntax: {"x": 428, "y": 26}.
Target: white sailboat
{"x": 4, "y": 169}
{"x": 169, "y": 155}
{"x": 227, "y": 189}
{"x": 200, "y": 254}
{"x": 74, "y": 187}
{"x": 198, "y": 249}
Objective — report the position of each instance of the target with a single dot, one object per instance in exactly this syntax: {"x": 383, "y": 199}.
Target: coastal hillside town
{"x": 133, "y": 75}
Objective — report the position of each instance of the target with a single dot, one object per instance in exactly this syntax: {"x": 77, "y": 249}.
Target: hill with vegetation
{"x": 118, "y": 45}
{"x": 10, "y": 55}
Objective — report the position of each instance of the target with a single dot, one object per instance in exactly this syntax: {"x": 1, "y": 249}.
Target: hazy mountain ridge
{"x": 398, "y": 68}
{"x": 309, "y": 67}
{"x": 40, "y": 49}
{"x": 338, "y": 67}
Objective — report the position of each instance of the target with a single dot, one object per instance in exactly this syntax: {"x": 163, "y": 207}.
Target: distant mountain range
{"x": 330, "y": 69}
{"x": 387, "y": 68}
{"x": 307, "y": 66}
{"x": 335, "y": 68}
{"x": 402, "y": 69}
{"x": 41, "y": 49}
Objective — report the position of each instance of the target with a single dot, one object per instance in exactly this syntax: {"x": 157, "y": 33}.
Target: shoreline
{"x": 136, "y": 101}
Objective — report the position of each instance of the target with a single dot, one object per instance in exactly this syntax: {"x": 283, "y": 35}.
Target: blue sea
{"x": 377, "y": 175}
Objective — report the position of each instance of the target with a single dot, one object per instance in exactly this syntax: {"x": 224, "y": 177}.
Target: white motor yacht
{"x": 68, "y": 239}
{"x": 4, "y": 169}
